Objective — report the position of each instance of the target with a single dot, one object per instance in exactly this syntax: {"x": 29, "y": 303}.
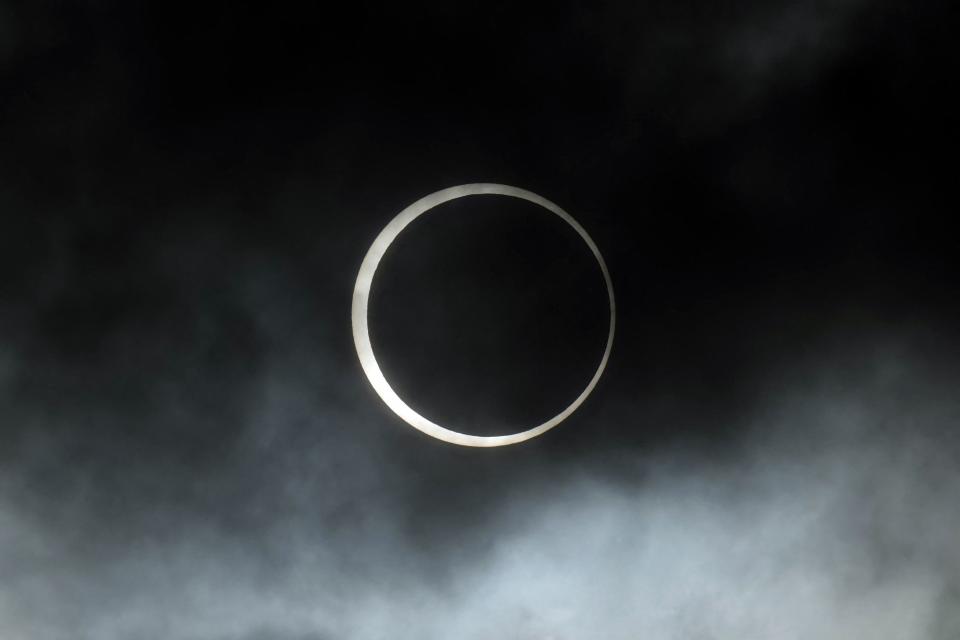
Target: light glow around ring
{"x": 361, "y": 301}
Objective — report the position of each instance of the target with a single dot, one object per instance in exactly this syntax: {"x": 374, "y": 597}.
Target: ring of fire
{"x": 361, "y": 300}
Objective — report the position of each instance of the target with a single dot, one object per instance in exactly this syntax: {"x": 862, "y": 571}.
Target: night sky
{"x": 189, "y": 448}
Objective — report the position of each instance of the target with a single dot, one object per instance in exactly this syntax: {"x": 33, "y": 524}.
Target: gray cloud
{"x": 835, "y": 519}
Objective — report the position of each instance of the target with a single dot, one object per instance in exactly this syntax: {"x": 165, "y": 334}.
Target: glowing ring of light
{"x": 361, "y": 300}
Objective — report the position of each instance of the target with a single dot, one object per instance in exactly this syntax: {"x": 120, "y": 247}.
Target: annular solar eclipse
{"x": 361, "y": 301}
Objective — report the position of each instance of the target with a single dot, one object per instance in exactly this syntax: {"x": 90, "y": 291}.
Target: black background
{"x": 187, "y": 194}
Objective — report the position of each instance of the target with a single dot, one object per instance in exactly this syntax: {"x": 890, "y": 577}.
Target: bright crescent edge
{"x": 361, "y": 299}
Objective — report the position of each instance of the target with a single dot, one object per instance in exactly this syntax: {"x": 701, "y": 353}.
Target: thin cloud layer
{"x": 836, "y": 519}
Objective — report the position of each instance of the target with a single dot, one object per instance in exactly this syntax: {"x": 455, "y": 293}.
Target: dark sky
{"x": 189, "y": 448}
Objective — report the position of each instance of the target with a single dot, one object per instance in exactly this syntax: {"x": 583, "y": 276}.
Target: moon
{"x": 361, "y": 302}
